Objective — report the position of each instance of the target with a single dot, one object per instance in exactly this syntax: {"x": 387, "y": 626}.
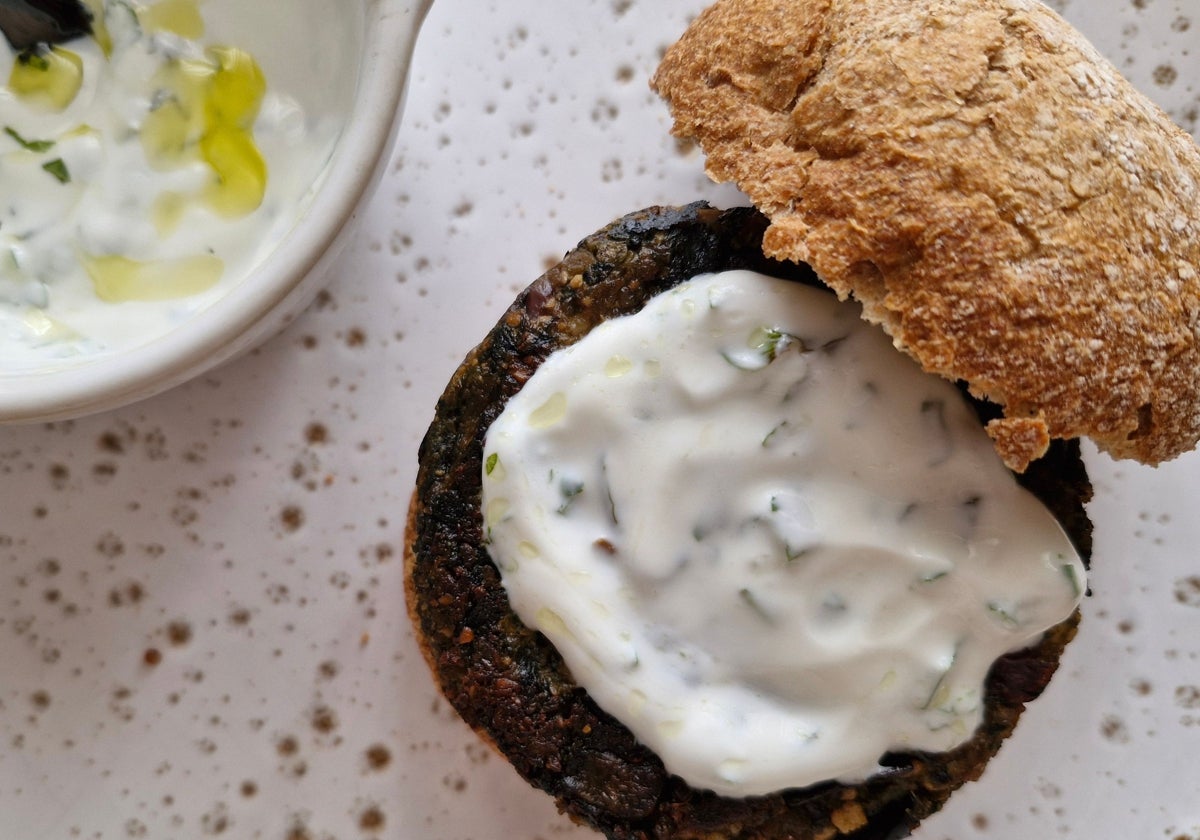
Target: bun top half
{"x": 1000, "y": 199}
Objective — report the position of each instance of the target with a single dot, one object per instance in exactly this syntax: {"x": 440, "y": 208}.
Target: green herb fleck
{"x": 1072, "y": 575}
{"x": 930, "y": 577}
{"x": 1006, "y": 617}
{"x": 31, "y": 145}
{"x": 491, "y": 462}
{"x": 34, "y": 60}
{"x": 767, "y": 342}
{"x": 58, "y": 169}
{"x": 774, "y": 504}
{"x": 771, "y": 434}
{"x": 793, "y": 554}
{"x": 748, "y": 597}
{"x": 612, "y": 505}
{"x": 770, "y": 342}
{"x": 569, "y": 490}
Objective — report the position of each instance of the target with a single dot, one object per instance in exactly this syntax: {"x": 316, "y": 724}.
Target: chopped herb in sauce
{"x": 29, "y": 145}
{"x": 1071, "y": 573}
{"x": 765, "y": 344}
{"x": 748, "y": 598}
{"x": 933, "y": 417}
{"x": 1006, "y": 617}
{"x": 612, "y": 505}
{"x": 491, "y": 462}
{"x": 771, "y": 434}
{"x": 568, "y": 490}
{"x": 794, "y": 554}
{"x": 770, "y": 342}
{"x": 35, "y": 60}
{"x": 971, "y": 506}
{"x": 58, "y": 169}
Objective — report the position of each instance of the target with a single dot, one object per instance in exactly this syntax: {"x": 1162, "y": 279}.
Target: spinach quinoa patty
{"x": 509, "y": 683}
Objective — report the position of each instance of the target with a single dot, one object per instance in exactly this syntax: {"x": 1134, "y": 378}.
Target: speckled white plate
{"x": 201, "y": 625}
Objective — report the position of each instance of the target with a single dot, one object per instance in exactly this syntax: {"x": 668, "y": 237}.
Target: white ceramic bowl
{"x": 341, "y": 59}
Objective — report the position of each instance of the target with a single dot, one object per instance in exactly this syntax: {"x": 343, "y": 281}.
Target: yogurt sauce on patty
{"x": 143, "y": 171}
{"x": 765, "y": 540}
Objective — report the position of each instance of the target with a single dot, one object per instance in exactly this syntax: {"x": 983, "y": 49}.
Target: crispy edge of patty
{"x": 507, "y": 681}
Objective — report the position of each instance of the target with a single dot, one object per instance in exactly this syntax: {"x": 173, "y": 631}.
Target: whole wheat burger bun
{"x": 997, "y": 196}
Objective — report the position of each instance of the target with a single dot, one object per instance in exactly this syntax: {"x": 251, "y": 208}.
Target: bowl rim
{"x": 233, "y": 322}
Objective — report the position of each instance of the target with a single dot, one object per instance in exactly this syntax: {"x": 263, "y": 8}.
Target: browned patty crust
{"x": 509, "y": 683}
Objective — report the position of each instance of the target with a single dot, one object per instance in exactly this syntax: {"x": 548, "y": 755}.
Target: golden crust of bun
{"x": 1000, "y": 199}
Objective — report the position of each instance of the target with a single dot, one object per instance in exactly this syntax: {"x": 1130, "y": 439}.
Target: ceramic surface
{"x": 201, "y": 624}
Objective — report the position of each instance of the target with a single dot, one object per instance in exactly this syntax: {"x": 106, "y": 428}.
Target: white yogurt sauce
{"x": 764, "y": 539}
{"x": 115, "y": 228}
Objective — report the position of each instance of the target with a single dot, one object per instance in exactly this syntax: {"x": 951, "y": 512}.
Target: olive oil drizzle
{"x": 204, "y": 111}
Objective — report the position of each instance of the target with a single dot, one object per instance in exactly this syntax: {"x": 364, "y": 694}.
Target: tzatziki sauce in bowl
{"x": 172, "y": 186}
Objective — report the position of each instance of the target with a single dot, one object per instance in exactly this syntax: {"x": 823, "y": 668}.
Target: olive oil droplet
{"x": 179, "y": 17}
{"x": 119, "y": 279}
{"x": 49, "y": 80}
